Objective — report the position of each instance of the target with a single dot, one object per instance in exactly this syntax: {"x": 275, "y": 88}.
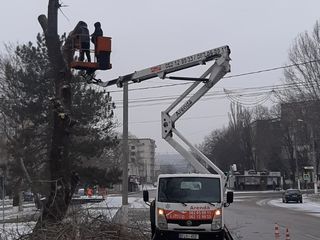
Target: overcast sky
{"x": 148, "y": 32}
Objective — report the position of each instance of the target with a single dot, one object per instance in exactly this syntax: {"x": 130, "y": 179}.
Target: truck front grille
{"x": 190, "y": 223}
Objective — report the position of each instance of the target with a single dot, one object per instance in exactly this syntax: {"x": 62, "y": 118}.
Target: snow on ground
{"x": 11, "y": 213}
{"x": 112, "y": 204}
{"x": 116, "y": 202}
{"x": 308, "y": 206}
{"x": 147, "y": 187}
{"x": 107, "y": 208}
{"x": 253, "y": 192}
{"x": 242, "y": 198}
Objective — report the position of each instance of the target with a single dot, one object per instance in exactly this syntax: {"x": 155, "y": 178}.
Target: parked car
{"x": 292, "y": 195}
{"x": 27, "y": 196}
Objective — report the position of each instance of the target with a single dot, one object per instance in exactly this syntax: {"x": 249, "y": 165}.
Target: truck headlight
{"x": 217, "y": 220}
{"x": 162, "y": 221}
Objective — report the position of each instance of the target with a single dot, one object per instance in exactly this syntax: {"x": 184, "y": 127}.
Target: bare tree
{"x": 240, "y": 123}
{"x": 261, "y": 113}
{"x": 304, "y": 79}
{"x": 303, "y": 91}
{"x": 232, "y": 144}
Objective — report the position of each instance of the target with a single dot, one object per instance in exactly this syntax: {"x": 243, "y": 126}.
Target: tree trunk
{"x": 63, "y": 181}
{"x": 16, "y": 194}
{"x": 31, "y": 185}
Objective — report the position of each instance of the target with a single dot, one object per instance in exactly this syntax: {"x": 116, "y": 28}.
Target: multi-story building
{"x": 301, "y": 123}
{"x": 141, "y": 161}
{"x": 267, "y": 144}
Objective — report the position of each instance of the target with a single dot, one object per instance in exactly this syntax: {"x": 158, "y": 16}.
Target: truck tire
{"x": 152, "y": 219}
{"x": 155, "y": 237}
{"x": 223, "y": 236}
{"x": 226, "y": 235}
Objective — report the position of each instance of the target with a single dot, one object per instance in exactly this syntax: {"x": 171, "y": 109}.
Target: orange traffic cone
{"x": 276, "y": 232}
{"x": 287, "y": 234}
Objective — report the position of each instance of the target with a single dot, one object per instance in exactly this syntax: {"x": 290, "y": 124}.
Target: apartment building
{"x": 141, "y": 161}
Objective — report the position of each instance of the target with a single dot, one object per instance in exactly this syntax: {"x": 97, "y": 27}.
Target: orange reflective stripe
{"x": 191, "y": 215}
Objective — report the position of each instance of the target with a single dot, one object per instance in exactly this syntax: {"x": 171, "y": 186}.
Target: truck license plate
{"x": 188, "y": 236}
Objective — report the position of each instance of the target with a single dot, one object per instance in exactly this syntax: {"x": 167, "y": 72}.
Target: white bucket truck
{"x": 187, "y": 206}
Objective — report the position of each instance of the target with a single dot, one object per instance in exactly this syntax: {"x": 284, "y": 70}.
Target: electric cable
{"x": 268, "y": 91}
{"x": 232, "y": 76}
{"x": 182, "y": 119}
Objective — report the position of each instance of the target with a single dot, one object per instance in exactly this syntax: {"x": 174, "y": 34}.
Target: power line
{"x": 272, "y": 69}
{"x": 252, "y": 92}
{"x": 182, "y": 119}
{"x": 232, "y": 76}
{"x": 237, "y": 93}
{"x": 216, "y": 93}
{"x": 158, "y": 86}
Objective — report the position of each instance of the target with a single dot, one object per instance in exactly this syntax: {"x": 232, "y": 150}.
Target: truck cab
{"x": 188, "y": 206}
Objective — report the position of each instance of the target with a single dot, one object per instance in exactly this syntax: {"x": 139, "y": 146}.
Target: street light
{"x": 314, "y": 160}
{"x": 296, "y": 158}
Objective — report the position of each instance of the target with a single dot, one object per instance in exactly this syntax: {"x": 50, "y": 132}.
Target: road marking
{"x": 247, "y": 196}
{"x": 242, "y": 198}
{"x": 262, "y": 202}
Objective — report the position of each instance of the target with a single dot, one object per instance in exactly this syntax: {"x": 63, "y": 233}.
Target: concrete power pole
{"x": 314, "y": 159}
{"x": 122, "y": 215}
{"x": 125, "y": 145}
{"x": 295, "y": 153}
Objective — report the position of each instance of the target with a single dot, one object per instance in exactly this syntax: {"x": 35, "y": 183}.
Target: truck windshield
{"x": 189, "y": 189}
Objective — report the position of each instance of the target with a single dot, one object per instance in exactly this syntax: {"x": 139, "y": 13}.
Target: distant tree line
{"x": 297, "y": 112}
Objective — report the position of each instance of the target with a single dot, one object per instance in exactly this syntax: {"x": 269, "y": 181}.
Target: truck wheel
{"x": 153, "y": 231}
{"x": 155, "y": 237}
{"x": 152, "y": 219}
{"x": 223, "y": 236}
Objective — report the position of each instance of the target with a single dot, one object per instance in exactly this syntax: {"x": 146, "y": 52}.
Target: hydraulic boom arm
{"x": 169, "y": 67}
{"x": 215, "y": 72}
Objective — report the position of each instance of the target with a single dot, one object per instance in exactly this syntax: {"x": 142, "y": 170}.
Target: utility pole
{"x": 296, "y": 158}
{"x": 123, "y": 214}
{"x": 314, "y": 160}
{"x": 125, "y": 146}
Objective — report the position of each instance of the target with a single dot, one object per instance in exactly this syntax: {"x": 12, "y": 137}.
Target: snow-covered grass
{"x": 147, "y": 187}
{"x": 253, "y": 192}
{"x": 112, "y": 202}
{"x": 17, "y": 223}
{"x": 308, "y": 206}
{"x": 10, "y": 231}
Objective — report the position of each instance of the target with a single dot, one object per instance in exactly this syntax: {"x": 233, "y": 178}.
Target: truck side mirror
{"x": 146, "y": 196}
{"x": 229, "y": 197}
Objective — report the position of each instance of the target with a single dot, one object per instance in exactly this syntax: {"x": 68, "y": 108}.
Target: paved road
{"x": 251, "y": 217}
